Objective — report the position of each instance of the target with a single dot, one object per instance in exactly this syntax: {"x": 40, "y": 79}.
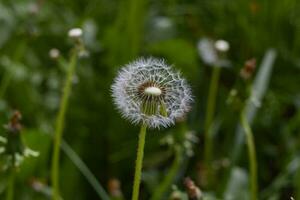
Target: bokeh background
{"x": 118, "y": 31}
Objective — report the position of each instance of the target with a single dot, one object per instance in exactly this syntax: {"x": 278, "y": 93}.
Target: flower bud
{"x": 193, "y": 191}
{"x": 248, "y": 69}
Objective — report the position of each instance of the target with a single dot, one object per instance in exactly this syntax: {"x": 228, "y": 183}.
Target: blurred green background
{"x": 119, "y": 31}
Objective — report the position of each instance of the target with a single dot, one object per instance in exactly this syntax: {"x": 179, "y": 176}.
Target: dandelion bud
{"x": 54, "y": 53}
{"x": 149, "y": 91}
{"x": 75, "y": 33}
{"x": 37, "y": 185}
{"x": 114, "y": 188}
{"x": 248, "y": 69}
{"x": 222, "y": 45}
{"x": 14, "y": 125}
{"x": 14, "y": 148}
{"x": 193, "y": 191}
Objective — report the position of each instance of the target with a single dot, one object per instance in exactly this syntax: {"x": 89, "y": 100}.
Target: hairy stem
{"x": 251, "y": 154}
{"x": 60, "y": 126}
{"x": 139, "y": 163}
{"x": 210, "y": 110}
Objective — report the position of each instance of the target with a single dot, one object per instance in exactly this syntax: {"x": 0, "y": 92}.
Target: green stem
{"x": 169, "y": 179}
{"x": 83, "y": 168}
{"x": 10, "y": 187}
{"x": 8, "y": 75}
{"x": 251, "y": 154}
{"x": 135, "y": 24}
{"x": 60, "y": 125}
{"x": 139, "y": 163}
{"x": 210, "y": 110}
{"x": 5, "y": 82}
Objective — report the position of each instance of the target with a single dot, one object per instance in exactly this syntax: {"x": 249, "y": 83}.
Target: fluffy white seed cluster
{"x": 212, "y": 52}
{"x": 75, "y": 33}
{"x": 222, "y": 45}
{"x": 151, "y": 82}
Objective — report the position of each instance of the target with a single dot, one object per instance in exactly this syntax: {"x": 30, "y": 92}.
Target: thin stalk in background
{"x": 168, "y": 180}
{"x": 84, "y": 170}
{"x": 10, "y": 186}
{"x": 8, "y": 75}
{"x": 251, "y": 154}
{"x": 60, "y": 125}
{"x": 259, "y": 89}
{"x": 139, "y": 163}
{"x": 135, "y": 25}
{"x": 210, "y": 110}
{"x": 4, "y": 83}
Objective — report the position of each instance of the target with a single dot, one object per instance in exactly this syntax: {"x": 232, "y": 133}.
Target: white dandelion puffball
{"x": 54, "y": 53}
{"x": 75, "y": 33}
{"x": 222, "y": 45}
{"x": 149, "y": 91}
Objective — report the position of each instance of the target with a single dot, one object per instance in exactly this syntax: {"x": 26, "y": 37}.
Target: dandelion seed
{"x": 149, "y": 91}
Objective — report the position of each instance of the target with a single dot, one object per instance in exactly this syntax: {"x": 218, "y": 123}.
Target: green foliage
{"x": 115, "y": 32}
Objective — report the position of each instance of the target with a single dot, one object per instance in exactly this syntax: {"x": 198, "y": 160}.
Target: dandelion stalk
{"x": 251, "y": 154}
{"x": 139, "y": 163}
{"x": 169, "y": 178}
{"x": 83, "y": 168}
{"x": 10, "y": 187}
{"x": 210, "y": 110}
{"x": 60, "y": 125}
{"x": 4, "y": 83}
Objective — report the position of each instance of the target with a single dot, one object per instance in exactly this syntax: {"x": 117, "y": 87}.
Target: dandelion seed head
{"x": 222, "y": 45}
{"x": 54, "y": 53}
{"x": 149, "y": 91}
{"x": 75, "y": 33}
{"x": 212, "y": 52}
{"x": 206, "y": 51}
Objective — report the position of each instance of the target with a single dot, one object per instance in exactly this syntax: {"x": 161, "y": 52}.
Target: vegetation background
{"x": 116, "y": 32}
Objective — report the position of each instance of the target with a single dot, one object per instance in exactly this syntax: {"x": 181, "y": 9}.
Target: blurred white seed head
{"x": 212, "y": 52}
{"x": 151, "y": 92}
{"x": 54, "y": 53}
{"x": 75, "y": 33}
{"x": 207, "y": 51}
{"x": 222, "y": 45}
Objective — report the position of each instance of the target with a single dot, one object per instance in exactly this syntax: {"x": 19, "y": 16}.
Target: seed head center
{"x": 152, "y": 91}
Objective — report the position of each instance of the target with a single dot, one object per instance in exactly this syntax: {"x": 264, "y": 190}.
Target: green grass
{"x": 116, "y": 32}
